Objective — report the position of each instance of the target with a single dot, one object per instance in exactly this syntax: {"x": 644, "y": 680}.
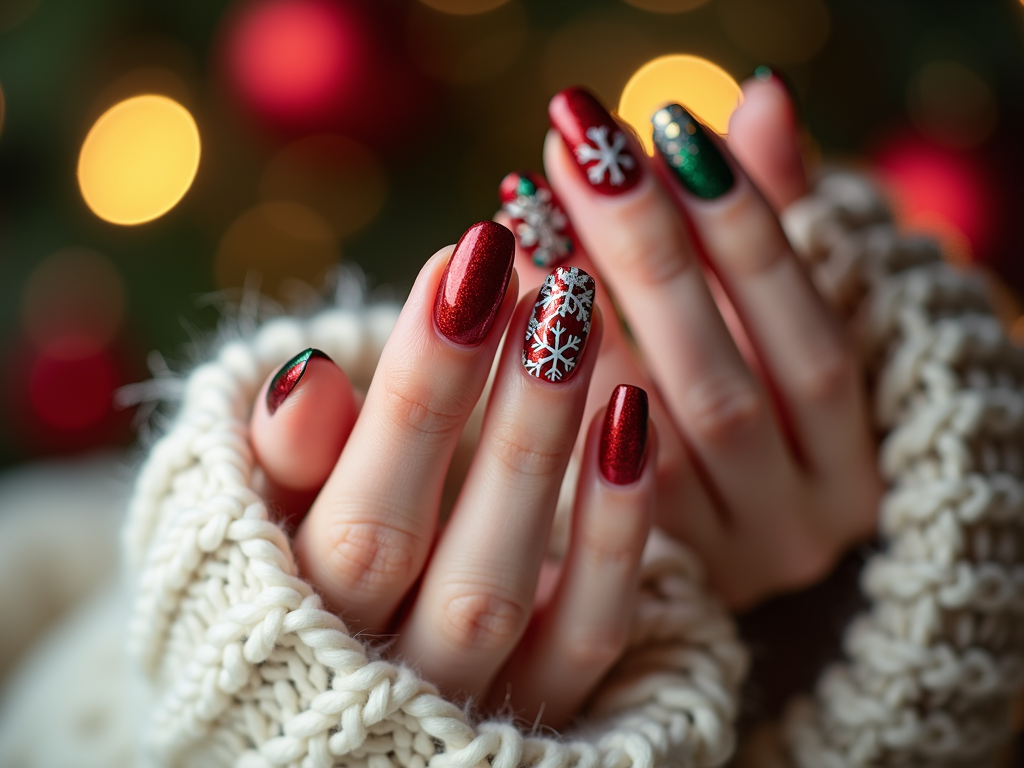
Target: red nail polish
{"x": 286, "y": 379}
{"x": 474, "y": 283}
{"x": 540, "y": 225}
{"x": 624, "y": 436}
{"x": 596, "y": 141}
{"x": 559, "y": 325}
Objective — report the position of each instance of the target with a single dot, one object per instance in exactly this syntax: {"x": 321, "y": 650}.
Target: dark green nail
{"x": 684, "y": 144}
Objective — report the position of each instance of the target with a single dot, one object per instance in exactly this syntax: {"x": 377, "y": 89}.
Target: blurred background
{"x": 277, "y": 138}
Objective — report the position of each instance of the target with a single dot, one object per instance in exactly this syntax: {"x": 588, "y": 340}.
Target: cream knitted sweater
{"x": 231, "y": 659}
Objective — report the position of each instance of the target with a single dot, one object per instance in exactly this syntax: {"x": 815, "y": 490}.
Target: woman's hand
{"x": 462, "y": 603}
{"x": 766, "y": 464}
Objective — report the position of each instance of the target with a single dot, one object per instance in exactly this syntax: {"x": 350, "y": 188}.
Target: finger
{"x": 476, "y": 595}
{"x": 764, "y": 136}
{"x": 639, "y": 241}
{"x": 584, "y": 629}
{"x": 797, "y": 338}
{"x": 298, "y": 428}
{"x": 544, "y": 237}
{"x": 367, "y": 536}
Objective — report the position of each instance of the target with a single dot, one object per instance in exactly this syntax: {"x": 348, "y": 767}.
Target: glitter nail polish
{"x": 623, "y": 445}
{"x": 596, "y": 141}
{"x": 286, "y": 379}
{"x": 694, "y": 158}
{"x": 474, "y": 283}
{"x": 540, "y": 225}
{"x": 557, "y": 332}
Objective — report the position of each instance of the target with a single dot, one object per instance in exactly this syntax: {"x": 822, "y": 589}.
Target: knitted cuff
{"x": 243, "y": 666}
{"x": 931, "y": 666}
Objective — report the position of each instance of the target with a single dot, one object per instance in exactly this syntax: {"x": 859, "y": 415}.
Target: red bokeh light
{"x": 929, "y": 183}
{"x": 292, "y": 59}
{"x": 71, "y": 386}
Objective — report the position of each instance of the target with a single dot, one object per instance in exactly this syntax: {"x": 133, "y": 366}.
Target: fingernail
{"x": 767, "y": 74}
{"x": 286, "y": 379}
{"x": 624, "y": 436}
{"x": 685, "y": 146}
{"x": 474, "y": 283}
{"x": 559, "y": 325}
{"x": 540, "y": 225}
{"x": 595, "y": 140}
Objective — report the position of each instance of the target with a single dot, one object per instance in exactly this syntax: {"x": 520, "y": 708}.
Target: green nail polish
{"x": 684, "y": 144}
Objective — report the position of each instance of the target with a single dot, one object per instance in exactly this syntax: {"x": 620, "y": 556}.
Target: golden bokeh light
{"x": 275, "y": 243}
{"x": 779, "y": 31}
{"x": 951, "y": 104}
{"x": 704, "y": 88}
{"x": 334, "y": 176}
{"x": 669, "y": 6}
{"x": 73, "y": 294}
{"x": 464, "y": 7}
{"x": 139, "y": 160}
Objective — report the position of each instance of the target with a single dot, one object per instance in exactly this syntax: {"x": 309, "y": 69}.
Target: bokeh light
{"x": 292, "y": 60}
{"x": 951, "y": 104}
{"x": 75, "y": 293}
{"x": 464, "y": 7}
{"x": 334, "y": 176}
{"x": 667, "y": 6}
{"x": 777, "y": 31}
{"x": 71, "y": 388}
{"x": 465, "y": 48}
{"x": 139, "y": 160}
{"x": 704, "y": 88}
{"x": 274, "y": 243}
{"x": 939, "y": 192}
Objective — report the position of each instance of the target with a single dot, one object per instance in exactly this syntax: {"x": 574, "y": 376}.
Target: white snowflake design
{"x": 542, "y": 226}
{"x": 570, "y": 290}
{"x": 557, "y": 342}
{"x": 611, "y": 158}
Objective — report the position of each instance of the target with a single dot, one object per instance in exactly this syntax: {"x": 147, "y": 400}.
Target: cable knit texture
{"x": 930, "y": 668}
{"x": 244, "y": 666}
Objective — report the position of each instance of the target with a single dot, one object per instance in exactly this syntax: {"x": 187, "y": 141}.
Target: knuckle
{"x": 372, "y": 560}
{"x": 826, "y": 374}
{"x": 611, "y": 549}
{"x": 722, "y": 413}
{"x": 595, "y": 649}
{"x": 522, "y": 457}
{"x": 652, "y": 258}
{"x": 415, "y": 408}
{"x": 482, "y": 621}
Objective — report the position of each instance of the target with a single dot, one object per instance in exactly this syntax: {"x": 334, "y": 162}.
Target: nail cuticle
{"x": 288, "y": 377}
{"x": 691, "y": 155}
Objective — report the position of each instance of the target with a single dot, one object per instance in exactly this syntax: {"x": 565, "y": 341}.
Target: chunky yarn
{"x": 931, "y": 667}
{"x": 243, "y": 666}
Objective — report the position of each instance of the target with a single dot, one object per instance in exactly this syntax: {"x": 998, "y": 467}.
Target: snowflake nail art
{"x": 560, "y": 323}
{"x": 538, "y": 221}
{"x": 597, "y": 142}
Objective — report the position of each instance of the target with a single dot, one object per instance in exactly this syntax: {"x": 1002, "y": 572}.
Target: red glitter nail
{"x": 540, "y": 225}
{"x": 597, "y": 142}
{"x": 560, "y": 324}
{"x": 286, "y": 379}
{"x": 474, "y": 283}
{"x": 624, "y": 435}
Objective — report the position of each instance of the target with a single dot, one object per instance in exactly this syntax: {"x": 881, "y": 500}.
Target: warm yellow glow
{"x": 464, "y": 7}
{"x": 669, "y": 6}
{"x": 704, "y": 88}
{"x": 139, "y": 160}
